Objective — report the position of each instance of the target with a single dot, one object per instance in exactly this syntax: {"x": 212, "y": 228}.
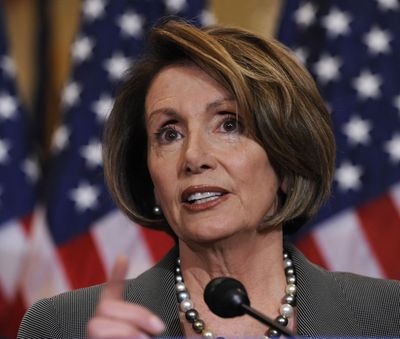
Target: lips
{"x": 197, "y": 195}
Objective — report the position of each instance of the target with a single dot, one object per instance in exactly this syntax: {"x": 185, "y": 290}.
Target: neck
{"x": 255, "y": 257}
{"x": 255, "y": 261}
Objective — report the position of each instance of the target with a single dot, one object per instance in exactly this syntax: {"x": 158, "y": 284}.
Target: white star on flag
{"x": 327, "y": 68}
{"x": 31, "y": 169}
{"x": 93, "y": 9}
{"x": 82, "y": 49}
{"x": 301, "y": 54}
{"x": 60, "y": 138}
{"x": 131, "y": 24}
{"x": 92, "y": 153}
{"x": 103, "y": 107}
{"x": 8, "y": 106}
{"x": 386, "y": 5}
{"x": 367, "y": 85}
{"x": 207, "y": 18}
{"x": 117, "y": 65}
{"x": 392, "y": 147}
{"x": 396, "y": 102}
{"x": 8, "y": 66}
{"x": 336, "y": 23}
{"x": 377, "y": 41}
{"x": 71, "y": 93}
{"x": 357, "y": 130}
{"x": 348, "y": 176}
{"x": 175, "y": 6}
{"x": 4, "y": 148}
{"x": 84, "y": 196}
{"x": 304, "y": 16}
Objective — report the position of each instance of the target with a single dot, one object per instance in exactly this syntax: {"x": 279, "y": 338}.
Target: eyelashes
{"x": 167, "y": 134}
{"x": 170, "y": 131}
{"x": 231, "y": 125}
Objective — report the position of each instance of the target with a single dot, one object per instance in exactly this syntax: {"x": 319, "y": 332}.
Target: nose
{"x": 197, "y": 155}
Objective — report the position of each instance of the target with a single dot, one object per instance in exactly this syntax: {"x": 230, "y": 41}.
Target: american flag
{"x": 76, "y": 231}
{"x": 19, "y": 173}
{"x": 352, "y": 48}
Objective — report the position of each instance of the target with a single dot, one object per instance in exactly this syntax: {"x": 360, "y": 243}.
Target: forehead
{"x": 184, "y": 83}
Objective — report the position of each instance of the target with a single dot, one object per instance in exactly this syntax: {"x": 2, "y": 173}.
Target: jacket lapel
{"x": 155, "y": 289}
{"x": 322, "y": 307}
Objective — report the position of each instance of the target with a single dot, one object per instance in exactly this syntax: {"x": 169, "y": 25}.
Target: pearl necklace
{"x": 198, "y": 325}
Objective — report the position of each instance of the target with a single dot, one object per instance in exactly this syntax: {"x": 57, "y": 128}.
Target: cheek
{"x": 162, "y": 178}
{"x": 155, "y": 164}
{"x": 156, "y": 177}
{"x": 258, "y": 178}
{"x": 159, "y": 187}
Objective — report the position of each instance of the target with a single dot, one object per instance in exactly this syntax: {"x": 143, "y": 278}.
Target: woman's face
{"x": 211, "y": 180}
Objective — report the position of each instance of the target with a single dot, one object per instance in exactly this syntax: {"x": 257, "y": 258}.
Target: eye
{"x": 168, "y": 134}
{"x": 231, "y": 125}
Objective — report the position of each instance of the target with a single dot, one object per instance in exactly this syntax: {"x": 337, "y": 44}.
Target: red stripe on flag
{"x": 381, "y": 224}
{"x": 10, "y": 321}
{"x": 159, "y": 243}
{"x": 4, "y": 309}
{"x": 27, "y": 223}
{"x": 311, "y": 250}
{"x": 82, "y": 262}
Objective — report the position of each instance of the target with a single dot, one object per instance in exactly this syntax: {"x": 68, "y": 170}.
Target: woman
{"x": 220, "y": 138}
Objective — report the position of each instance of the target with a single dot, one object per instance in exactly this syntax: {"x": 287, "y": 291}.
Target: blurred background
{"x": 61, "y": 62}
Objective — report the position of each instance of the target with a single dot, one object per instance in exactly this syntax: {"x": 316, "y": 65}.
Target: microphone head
{"x": 225, "y": 296}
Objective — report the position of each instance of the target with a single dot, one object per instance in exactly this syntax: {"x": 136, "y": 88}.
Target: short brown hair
{"x": 276, "y": 97}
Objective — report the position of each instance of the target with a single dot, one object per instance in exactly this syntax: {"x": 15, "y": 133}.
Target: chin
{"x": 211, "y": 232}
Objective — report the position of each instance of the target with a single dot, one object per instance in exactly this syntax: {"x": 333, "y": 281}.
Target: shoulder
{"x": 343, "y": 303}
{"x": 374, "y": 287}
{"x": 370, "y": 294}
{"x": 374, "y": 302}
{"x": 66, "y": 315}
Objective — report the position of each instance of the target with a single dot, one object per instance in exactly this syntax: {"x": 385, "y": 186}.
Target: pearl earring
{"x": 157, "y": 210}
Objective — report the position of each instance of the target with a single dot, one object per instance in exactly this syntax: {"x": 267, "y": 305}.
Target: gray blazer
{"x": 328, "y": 304}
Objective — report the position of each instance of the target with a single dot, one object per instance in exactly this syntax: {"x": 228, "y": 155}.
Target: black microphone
{"x": 227, "y": 298}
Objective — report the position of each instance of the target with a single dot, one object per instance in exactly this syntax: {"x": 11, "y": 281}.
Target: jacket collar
{"x": 322, "y": 309}
{"x": 155, "y": 290}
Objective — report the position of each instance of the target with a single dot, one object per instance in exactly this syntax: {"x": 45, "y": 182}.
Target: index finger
{"x": 115, "y": 285}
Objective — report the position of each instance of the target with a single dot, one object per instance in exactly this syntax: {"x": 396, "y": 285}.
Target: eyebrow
{"x": 215, "y": 104}
{"x": 167, "y": 111}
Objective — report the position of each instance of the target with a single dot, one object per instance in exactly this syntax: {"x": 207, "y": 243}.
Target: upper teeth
{"x": 202, "y": 195}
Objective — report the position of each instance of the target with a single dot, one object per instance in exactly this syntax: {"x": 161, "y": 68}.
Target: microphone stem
{"x": 267, "y": 321}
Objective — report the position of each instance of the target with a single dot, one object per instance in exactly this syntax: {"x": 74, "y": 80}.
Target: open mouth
{"x": 202, "y": 197}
